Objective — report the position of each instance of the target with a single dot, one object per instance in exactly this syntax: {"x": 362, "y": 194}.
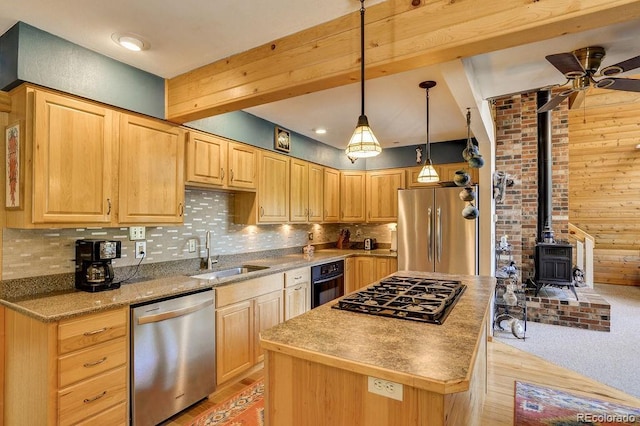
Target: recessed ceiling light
{"x": 320, "y": 131}
{"x": 130, "y": 41}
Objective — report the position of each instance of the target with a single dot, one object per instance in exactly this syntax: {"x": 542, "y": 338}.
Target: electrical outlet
{"x": 310, "y": 236}
{"x": 385, "y": 388}
{"x": 192, "y": 245}
{"x": 141, "y": 249}
{"x": 136, "y": 233}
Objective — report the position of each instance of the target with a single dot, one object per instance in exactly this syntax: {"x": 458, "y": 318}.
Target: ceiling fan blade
{"x": 624, "y": 84}
{"x": 555, "y": 101}
{"x": 567, "y": 64}
{"x": 621, "y": 67}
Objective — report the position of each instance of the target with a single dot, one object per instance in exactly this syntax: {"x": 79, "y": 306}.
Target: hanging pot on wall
{"x": 476, "y": 161}
{"x": 470, "y": 212}
{"x": 461, "y": 178}
{"x": 467, "y": 194}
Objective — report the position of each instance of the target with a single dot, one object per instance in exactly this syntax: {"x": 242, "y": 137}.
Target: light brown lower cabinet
{"x": 242, "y": 311}
{"x": 76, "y": 371}
{"x": 297, "y": 292}
{"x": 364, "y": 270}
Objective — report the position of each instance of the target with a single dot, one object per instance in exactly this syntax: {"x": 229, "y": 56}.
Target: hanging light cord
{"x": 428, "y": 144}
{"x": 468, "y": 127}
{"x": 362, "y": 57}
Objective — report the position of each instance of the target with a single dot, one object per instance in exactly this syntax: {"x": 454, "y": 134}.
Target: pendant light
{"x": 428, "y": 174}
{"x": 363, "y": 143}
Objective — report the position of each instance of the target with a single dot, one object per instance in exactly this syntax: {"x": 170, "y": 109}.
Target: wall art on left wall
{"x": 12, "y": 166}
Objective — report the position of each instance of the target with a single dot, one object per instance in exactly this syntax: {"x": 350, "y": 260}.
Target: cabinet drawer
{"x": 297, "y": 276}
{"x": 245, "y": 290}
{"x": 97, "y": 359}
{"x": 92, "y": 396}
{"x": 114, "y": 416}
{"x": 78, "y": 333}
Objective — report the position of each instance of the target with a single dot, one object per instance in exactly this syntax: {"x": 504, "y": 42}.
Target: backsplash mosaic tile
{"x": 32, "y": 253}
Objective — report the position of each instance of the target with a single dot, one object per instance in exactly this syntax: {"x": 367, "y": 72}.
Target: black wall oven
{"x": 327, "y": 282}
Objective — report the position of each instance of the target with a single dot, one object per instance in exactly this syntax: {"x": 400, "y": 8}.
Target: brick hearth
{"x": 558, "y": 306}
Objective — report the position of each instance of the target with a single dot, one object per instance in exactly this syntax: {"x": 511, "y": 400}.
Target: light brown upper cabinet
{"x": 65, "y": 169}
{"x": 307, "y": 182}
{"x": 352, "y": 196}
{"x": 445, "y": 172}
{"x": 382, "y": 194}
{"x": 151, "y": 174}
{"x": 270, "y": 203}
{"x": 331, "y": 195}
{"x": 299, "y": 207}
{"x": 243, "y": 161}
{"x": 316, "y": 193}
{"x": 218, "y": 163}
{"x": 206, "y": 160}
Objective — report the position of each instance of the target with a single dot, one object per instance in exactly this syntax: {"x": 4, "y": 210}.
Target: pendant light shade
{"x": 428, "y": 174}
{"x": 363, "y": 143}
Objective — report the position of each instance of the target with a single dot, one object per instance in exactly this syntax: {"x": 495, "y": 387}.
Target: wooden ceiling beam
{"x": 5, "y": 102}
{"x": 399, "y": 37}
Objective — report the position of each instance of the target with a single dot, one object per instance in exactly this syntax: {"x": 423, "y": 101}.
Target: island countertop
{"x": 437, "y": 358}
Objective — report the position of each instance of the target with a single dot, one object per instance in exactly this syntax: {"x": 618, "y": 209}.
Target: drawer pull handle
{"x": 298, "y": 277}
{"x": 88, "y": 400}
{"x": 94, "y": 363}
{"x": 91, "y": 333}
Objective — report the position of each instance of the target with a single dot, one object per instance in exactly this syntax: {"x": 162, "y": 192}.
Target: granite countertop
{"x": 51, "y": 307}
{"x": 437, "y": 358}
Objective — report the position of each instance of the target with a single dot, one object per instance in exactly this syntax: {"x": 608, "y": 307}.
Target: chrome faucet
{"x": 210, "y": 261}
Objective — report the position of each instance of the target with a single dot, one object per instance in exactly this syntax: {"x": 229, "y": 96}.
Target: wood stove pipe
{"x": 545, "y": 162}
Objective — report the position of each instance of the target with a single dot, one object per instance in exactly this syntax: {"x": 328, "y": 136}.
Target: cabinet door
{"x": 365, "y": 271}
{"x": 316, "y": 192}
{"x": 234, "y": 340}
{"x": 382, "y": 195}
{"x": 242, "y": 166}
{"x": 352, "y": 196}
{"x": 268, "y": 312}
{"x": 297, "y": 300}
{"x": 350, "y": 283}
{"x": 73, "y": 158}
{"x": 206, "y": 159}
{"x": 151, "y": 171}
{"x": 331, "y": 195}
{"x": 385, "y": 266}
{"x": 299, "y": 207}
{"x": 273, "y": 191}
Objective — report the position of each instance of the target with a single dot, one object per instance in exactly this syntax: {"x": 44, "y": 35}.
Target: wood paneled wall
{"x": 604, "y": 181}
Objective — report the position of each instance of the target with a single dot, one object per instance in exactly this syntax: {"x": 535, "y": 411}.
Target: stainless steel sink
{"x": 229, "y": 272}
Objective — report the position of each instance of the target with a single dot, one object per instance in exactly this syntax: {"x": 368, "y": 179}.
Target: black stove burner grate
{"x": 417, "y": 299}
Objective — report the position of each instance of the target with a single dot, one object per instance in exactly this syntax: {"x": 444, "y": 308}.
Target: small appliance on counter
{"x": 370, "y": 244}
{"x": 94, "y": 271}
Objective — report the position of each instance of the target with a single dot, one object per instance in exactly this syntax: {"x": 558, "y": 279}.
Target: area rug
{"x": 541, "y": 406}
{"x": 246, "y": 408}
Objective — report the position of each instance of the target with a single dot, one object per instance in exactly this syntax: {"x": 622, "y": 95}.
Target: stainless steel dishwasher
{"x": 172, "y": 356}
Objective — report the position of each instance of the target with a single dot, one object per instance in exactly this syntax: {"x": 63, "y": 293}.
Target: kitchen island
{"x": 318, "y": 365}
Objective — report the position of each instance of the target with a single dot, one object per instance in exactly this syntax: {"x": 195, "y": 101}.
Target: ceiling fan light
{"x": 428, "y": 174}
{"x": 611, "y": 70}
{"x": 604, "y": 83}
{"x": 363, "y": 142}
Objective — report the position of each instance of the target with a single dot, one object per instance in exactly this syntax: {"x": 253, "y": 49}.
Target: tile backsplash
{"x": 30, "y": 253}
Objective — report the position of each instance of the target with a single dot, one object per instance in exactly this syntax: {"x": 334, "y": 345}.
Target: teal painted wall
{"x": 50, "y": 61}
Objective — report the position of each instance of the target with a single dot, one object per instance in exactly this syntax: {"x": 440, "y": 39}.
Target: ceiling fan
{"x": 580, "y": 67}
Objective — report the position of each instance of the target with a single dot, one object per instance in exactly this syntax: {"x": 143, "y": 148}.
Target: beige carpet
{"x": 608, "y": 357}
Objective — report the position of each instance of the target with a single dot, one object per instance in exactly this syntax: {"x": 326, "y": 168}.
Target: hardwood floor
{"x": 506, "y": 364}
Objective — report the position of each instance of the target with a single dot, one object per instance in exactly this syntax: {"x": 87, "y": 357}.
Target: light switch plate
{"x": 192, "y": 245}
{"x": 136, "y": 233}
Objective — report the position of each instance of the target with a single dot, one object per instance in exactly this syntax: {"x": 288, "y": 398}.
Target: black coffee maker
{"x": 93, "y": 264}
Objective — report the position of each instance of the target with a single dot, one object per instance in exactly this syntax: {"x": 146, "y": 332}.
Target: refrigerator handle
{"x": 438, "y": 234}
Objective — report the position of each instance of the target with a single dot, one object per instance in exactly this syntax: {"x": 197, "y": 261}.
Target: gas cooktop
{"x": 416, "y": 299}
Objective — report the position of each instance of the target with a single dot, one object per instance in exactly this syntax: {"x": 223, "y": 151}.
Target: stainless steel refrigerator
{"x": 432, "y": 234}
